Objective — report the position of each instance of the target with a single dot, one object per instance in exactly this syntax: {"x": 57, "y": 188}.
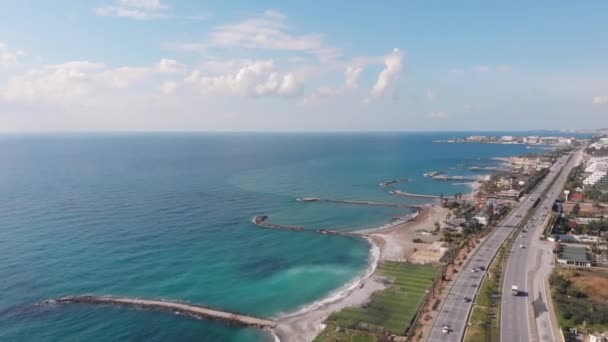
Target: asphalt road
{"x": 455, "y": 309}
{"x": 530, "y": 261}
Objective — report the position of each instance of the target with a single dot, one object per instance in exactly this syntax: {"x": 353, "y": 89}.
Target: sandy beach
{"x": 306, "y": 323}
{"x": 389, "y": 242}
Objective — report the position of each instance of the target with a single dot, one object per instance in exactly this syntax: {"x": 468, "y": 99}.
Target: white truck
{"x": 514, "y": 290}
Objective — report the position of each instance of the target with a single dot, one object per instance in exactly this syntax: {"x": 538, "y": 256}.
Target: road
{"x": 526, "y": 317}
{"x": 455, "y": 309}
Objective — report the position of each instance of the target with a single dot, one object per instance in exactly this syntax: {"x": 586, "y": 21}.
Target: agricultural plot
{"x": 393, "y": 309}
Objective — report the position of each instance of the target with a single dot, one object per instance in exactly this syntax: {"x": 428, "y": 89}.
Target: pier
{"x": 487, "y": 168}
{"x": 439, "y": 175}
{"x": 262, "y": 221}
{"x": 394, "y": 205}
{"x": 192, "y": 310}
{"x": 409, "y": 194}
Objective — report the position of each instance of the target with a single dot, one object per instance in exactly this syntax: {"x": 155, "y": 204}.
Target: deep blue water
{"x": 167, "y": 216}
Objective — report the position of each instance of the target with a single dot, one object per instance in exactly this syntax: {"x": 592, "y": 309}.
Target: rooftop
{"x": 574, "y": 253}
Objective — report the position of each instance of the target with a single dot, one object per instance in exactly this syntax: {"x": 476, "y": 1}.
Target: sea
{"x": 168, "y": 216}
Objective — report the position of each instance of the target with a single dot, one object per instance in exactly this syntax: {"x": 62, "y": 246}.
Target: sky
{"x": 187, "y": 65}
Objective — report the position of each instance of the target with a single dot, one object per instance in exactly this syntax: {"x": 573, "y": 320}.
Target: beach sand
{"x": 397, "y": 242}
{"x": 389, "y": 242}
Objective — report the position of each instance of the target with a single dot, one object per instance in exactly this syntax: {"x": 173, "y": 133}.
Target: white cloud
{"x": 169, "y": 87}
{"x": 600, "y": 100}
{"x": 393, "y": 68}
{"x": 481, "y": 68}
{"x": 70, "y": 82}
{"x": 168, "y": 66}
{"x": 270, "y": 31}
{"x": 437, "y": 115}
{"x": 321, "y": 93}
{"x": 9, "y": 57}
{"x": 351, "y": 76}
{"x": 429, "y": 95}
{"x": 134, "y": 9}
{"x": 256, "y": 78}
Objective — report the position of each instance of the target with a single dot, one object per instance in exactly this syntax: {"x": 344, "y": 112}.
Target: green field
{"x": 390, "y": 310}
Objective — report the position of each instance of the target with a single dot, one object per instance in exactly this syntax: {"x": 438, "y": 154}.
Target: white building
{"x": 482, "y": 219}
{"x": 533, "y": 139}
{"x": 507, "y": 138}
{"x": 598, "y": 167}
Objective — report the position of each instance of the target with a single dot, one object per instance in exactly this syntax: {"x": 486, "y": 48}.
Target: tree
{"x": 576, "y": 209}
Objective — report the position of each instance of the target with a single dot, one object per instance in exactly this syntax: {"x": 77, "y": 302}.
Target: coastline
{"x": 391, "y": 241}
{"x": 306, "y": 323}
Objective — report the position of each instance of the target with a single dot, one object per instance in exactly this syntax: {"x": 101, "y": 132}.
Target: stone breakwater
{"x": 192, "y": 310}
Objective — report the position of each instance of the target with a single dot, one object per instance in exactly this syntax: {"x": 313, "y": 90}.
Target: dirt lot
{"x": 593, "y": 283}
{"x": 587, "y": 208}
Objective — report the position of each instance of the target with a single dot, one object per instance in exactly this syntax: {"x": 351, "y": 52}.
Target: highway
{"x": 454, "y": 310}
{"x": 526, "y": 317}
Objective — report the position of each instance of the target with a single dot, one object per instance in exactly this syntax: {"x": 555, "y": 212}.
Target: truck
{"x": 514, "y": 290}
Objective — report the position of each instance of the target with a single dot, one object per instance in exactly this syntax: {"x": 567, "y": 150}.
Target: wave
{"x": 346, "y": 289}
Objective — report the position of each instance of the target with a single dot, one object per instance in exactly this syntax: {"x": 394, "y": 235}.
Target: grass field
{"x": 338, "y": 334}
{"x": 390, "y": 310}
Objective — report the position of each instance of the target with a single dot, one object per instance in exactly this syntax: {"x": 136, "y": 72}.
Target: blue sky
{"x": 177, "y": 65}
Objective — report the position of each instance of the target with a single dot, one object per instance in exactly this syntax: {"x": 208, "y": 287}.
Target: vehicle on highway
{"x": 521, "y": 246}
{"x": 473, "y": 270}
{"x": 467, "y": 299}
{"x": 515, "y": 290}
{"x": 446, "y": 329}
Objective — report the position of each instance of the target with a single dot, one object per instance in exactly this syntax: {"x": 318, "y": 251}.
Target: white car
{"x": 521, "y": 246}
{"x": 446, "y": 329}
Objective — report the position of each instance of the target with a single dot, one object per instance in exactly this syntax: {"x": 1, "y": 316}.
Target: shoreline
{"x": 387, "y": 242}
{"x": 390, "y": 241}
{"x": 305, "y": 323}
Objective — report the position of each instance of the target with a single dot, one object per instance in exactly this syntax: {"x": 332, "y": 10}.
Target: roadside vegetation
{"x": 484, "y": 322}
{"x": 581, "y": 298}
{"x": 390, "y": 311}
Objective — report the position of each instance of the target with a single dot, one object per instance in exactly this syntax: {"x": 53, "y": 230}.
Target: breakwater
{"x": 392, "y": 182}
{"x": 409, "y": 194}
{"x": 440, "y": 175}
{"x": 196, "y": 311}
{"x": 394, "y": 205}
{"x": 262, "y": 221}
{"x": 487, "y": 168}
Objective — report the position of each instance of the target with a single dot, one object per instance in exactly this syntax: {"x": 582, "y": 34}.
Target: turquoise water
{"x": 168, "y": 216}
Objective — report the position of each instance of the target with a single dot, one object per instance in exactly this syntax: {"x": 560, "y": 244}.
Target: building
{"x": 573, "y": 255}
{"x": 582, "y": 221}
{"x": 597, "y": 337}
{"x": 453, "y": 225}
{"x": 533, "y": 139}
{"x": 481, "y": 219}
{"x": 549, "y": 140}
{"x": 507, "y": 138}
{"x": 509, "y": 193}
